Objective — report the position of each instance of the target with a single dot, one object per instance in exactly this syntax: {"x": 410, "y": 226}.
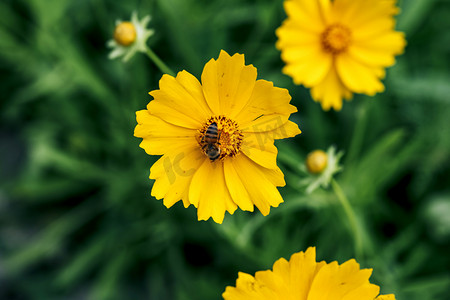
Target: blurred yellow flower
{"x": 217, "y": 138}
{"x": 339, "y": 47}
{"x": 302, "y": 278}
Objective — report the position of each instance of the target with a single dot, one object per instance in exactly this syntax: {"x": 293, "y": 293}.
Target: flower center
{"x": 336, "y": 38}
{"x": 220, "y": 137}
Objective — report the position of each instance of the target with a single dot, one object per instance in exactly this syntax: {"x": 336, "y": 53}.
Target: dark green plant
{"x": 76, "y": 217}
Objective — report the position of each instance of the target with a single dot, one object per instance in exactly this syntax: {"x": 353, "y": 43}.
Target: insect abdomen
{"x": 212, "y": 133}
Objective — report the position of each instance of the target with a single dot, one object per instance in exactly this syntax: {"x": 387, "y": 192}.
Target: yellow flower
{"x": 339, "y": 47}
{"x": 302, "y": 278}
{"x": 217, "y": 138}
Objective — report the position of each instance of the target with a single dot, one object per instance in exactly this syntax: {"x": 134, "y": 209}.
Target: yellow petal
{"x": 335, "y": 282}
{"x": 272, "y": 129}
{"x": 179, "y": 101}
{"x": 373, "y": 11}
{"x": 358, "y": 13}
{"x": 159, "y": 136}
{"x": 171, "y": 114}
{"x": 260, "y": 149}
{"x": 275, "y": 176}
{"x": 290, "y": 34}
{"x": 371, "y": 57}
{"x": 362, "y": 292}
{"x": 344, "y": 11}
{"x": 390, "y": 42}
{"x": 267, "y": 104}
{"x": 184, "y": 166}
{"x": 325, "y": 7}
{"x": 298, "y": 54}
{"x": 173, "y": 173}
{"x": 236, "y": 188}
{"x": 265, "y": 123}
{"x": 228, "y": 83}
{"x": 208, "y": 192}
{"x": 330, "y": 92}
{"x": 161, "y": 187}
{"x": 193, "y": 87}
{"x": 303, "y": 269}
{"x": 289, "y": 129}
{"x": 183, "y": 93}
{"x": 262, "y": 192}
{"x": 373, "y": 29}
{"x": 353, "y": 275}
{"x": 247, "y": 288}
{"x": 152, "y": 126}
{"x": 281, "y": 268}
{"x": 309, "y": 69}
{"x": 291, "y": 280}
{"x": 358, "y": 77}
{"x": 176, "y": 193}
{"x": 275, "y": 281}
{"x": 306, "y": 14}
{"x": 164, "y": 176}
{"x": 159, "y": 146}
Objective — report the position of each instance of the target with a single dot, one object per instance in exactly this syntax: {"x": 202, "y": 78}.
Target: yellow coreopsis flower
{"x": 339, "y": 47}
{"x": 302, "y": 278}
{"x": 217, "y": 138}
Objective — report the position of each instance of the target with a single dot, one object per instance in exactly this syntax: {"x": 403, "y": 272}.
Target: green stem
{"x": 350, "y": 215}
{"x": 289, "y": 160}
{"x": 158, "y": 62}
{"x": 358, "y": 134}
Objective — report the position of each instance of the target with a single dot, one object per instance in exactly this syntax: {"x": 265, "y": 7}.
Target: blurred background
{"x": 76, "y": 217}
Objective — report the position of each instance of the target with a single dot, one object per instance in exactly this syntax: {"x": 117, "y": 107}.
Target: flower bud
{"x": 125, "y": 33}
{"x": 130, "y": 37}
{"x": 316, "y": 161}
{"x": 321, "y": 167}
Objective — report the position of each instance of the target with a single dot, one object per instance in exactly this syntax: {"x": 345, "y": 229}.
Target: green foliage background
{"x": 76, "y": 217}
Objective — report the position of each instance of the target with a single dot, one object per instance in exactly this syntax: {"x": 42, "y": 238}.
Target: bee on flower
{"x": 130, "y": 37}
{"x": 216, "y": 138}
{"x": 339, "y": 47}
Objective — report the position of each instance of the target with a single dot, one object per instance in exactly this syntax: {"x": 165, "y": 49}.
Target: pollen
{"x": 228, "y": 137}
{"x": 125, "y": 33}
{"x": 336, "y": 38}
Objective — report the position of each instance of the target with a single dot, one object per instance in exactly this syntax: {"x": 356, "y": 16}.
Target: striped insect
{"x": 210, "y": 142}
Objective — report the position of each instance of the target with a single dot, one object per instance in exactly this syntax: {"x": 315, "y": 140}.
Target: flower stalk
{"x": 158, "y": 62}
{"x": 351, "y": 216}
